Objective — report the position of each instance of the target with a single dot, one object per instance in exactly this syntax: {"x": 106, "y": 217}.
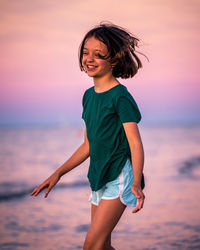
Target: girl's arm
{"x": 80, "y": 155}
{"x": 137, "y": 157}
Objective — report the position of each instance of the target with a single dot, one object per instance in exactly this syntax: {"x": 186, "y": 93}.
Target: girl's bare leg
{"x": 107, "y": 244}
{"x": 104, "y": 219}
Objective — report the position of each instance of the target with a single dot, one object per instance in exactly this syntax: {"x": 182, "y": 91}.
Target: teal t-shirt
{"x": 104, "y": 114}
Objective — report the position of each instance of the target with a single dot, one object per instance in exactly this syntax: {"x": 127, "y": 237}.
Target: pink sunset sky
{"x": 40, "y": 77}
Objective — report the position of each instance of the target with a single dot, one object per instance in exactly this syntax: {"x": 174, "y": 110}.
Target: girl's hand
{"x": 137, "y": 191}
{"x": 48, "y": 183}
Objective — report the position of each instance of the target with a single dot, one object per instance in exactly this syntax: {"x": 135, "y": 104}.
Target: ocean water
{"x": 170, "y": 218}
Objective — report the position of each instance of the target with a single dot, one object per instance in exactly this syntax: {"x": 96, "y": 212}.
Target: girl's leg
{"x": 93, "y": 211}
{"x": 104, "y": 220}
{"x": 107, "y": 244}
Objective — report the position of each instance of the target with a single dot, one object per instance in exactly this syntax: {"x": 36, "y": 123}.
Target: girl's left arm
{"x": 137, "y": 158}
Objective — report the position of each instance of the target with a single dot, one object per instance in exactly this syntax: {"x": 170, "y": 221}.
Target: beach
{"x": 170, "y": 218}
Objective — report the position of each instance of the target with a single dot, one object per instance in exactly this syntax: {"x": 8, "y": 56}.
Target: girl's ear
{"x": 113, "y": 65}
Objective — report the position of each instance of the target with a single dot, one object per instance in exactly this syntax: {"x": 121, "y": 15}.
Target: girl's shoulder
{"x": 124, "y": 97}
{"x": 122, "y": 91}
{"x": 87, "y": 93}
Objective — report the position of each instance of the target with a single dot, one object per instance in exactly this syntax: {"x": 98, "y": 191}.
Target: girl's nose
{"x": 90, "y": 58}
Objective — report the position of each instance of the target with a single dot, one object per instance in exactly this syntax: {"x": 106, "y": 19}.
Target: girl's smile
{"x": 91, "y": 67}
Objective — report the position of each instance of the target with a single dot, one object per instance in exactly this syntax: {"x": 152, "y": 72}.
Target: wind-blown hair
{"x": 121, "y": 49}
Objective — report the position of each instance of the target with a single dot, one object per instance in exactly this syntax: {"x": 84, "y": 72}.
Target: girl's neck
{"x": 104, "y": 84}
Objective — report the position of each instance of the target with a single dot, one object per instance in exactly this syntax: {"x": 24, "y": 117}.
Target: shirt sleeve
{"x": 127, "y": 109}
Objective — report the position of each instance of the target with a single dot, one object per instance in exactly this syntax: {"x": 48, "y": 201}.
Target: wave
{"x": 188, "y": 166}
{"x": 13, "y": 191}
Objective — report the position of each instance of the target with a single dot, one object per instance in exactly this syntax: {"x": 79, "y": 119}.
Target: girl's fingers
{"x": 34, "y": 191}
{"x": 139, "y": 206}
{"x": 140, "y": 197}
{"x": 48, "y": 190}
{"x": 136, "y": 193}
{"x": 38, "y": 189}
{"x": 49, "y": 183}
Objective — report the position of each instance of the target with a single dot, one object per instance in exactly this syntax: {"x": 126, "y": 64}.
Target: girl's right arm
{"x": 80, "y": 155}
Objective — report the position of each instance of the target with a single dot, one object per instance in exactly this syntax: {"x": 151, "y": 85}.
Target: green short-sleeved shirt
{"x": 104, "y": 114}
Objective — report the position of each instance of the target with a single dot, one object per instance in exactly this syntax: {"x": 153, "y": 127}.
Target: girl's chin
{"x": 91, "y": 74}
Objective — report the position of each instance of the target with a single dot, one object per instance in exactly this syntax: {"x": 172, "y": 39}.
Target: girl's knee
{"x": 89, "y": 245}
{"x": 93, "y": 243}
{"x": 89, "y": 242}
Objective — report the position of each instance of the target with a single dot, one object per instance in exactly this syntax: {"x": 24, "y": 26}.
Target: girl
{"x": 111, "y": 136}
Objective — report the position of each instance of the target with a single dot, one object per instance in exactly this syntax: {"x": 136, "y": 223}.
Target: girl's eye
{"x": 98, "y": 55}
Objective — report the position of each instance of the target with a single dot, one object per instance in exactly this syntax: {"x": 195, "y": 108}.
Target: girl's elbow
{"x": 136, "y": 142}
{"x": 136, "y": 145}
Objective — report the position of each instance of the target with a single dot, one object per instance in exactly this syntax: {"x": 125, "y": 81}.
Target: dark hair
{"x": 121, "y": 49}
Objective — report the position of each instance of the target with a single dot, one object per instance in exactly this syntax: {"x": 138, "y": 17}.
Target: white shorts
{"x": 120, "y": 187}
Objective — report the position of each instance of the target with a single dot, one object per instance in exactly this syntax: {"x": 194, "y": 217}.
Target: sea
{"x": 170, "y": 218}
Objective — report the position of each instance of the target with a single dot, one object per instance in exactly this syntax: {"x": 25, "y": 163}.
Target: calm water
{"x": 170, "y": 218}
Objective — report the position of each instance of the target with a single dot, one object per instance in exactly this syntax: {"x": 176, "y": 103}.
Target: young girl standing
{"x": 111, "y": 136}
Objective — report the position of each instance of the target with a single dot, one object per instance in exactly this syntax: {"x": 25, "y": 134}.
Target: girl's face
{"x": 92, "y": 63}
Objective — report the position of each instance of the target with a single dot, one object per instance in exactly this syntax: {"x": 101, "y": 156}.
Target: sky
{"x": 40, "y": 79}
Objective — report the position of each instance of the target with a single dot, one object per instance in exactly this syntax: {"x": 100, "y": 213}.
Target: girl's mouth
{"x": 91, "y": 67}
